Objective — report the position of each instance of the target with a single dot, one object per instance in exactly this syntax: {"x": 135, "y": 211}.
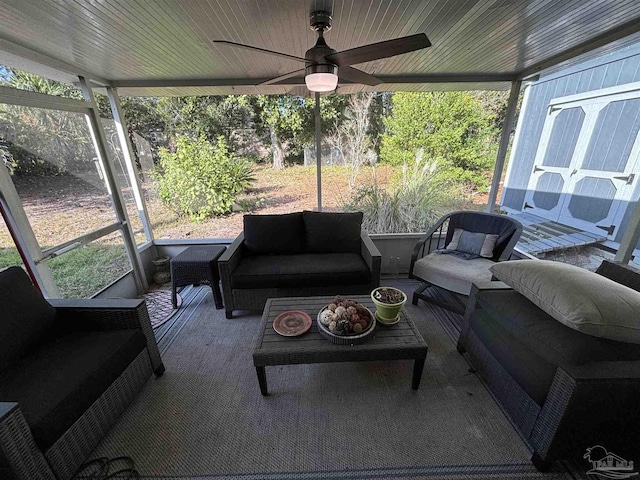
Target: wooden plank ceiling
{"x": 165, "y": 47}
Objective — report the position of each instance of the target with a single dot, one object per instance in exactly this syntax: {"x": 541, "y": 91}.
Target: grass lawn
{"x": 81, "y": 272}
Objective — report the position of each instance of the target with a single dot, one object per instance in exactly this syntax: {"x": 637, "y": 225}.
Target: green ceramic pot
{"x": 388, "y": 312}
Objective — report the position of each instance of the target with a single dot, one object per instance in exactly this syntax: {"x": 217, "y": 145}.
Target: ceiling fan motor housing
{"x": 320, "y": 22}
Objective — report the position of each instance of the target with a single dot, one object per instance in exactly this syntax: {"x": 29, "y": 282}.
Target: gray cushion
{"x": 274, "y": 233}
{"x": 25, "y": 316}
{"x": 328, "y": 232}
{"x": 475, "y": 243}
{"x": 578, "y": 298}
{"x": 302, "y": 270}
{"x": 451, "y": 272}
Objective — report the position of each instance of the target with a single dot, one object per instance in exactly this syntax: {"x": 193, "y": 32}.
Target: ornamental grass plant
{"x": 416, "y": 200}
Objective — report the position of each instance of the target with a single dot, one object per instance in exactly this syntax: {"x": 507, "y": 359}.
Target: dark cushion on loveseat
{"x": 301, "y": 270}
{"x": 332, "y": 232}
{"x": 530, "y": 344}
{"x": 25, "y": 316}
{"x": 80, "y": 365}
{"x": 265, "y": 234}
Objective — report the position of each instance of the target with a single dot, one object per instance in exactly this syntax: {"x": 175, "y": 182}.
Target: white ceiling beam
{"x": 23, "y": 58}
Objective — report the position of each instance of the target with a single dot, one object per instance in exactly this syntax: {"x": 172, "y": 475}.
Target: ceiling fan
{"x": 324, "y": 66}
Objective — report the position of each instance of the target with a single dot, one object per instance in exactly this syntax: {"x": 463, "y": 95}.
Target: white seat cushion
{"x": 452, "y": 272}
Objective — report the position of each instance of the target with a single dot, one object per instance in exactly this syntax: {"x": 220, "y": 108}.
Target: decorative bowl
{"x": 352, "y": 339}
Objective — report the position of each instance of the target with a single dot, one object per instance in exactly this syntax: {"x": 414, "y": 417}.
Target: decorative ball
{"x": 326, "y": 316}
{"x": 332, "y": 326}
{"x": 357, "y": 328}
{"x": 343, "y": 327}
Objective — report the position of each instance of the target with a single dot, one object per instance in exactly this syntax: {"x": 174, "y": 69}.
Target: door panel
{"x": 551, "y": 172}
{"x": 605, "y": 176}
{"x": 587, "y": 161}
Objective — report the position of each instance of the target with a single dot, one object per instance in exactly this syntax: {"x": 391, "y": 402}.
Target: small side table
{"x": 194, "y": 266}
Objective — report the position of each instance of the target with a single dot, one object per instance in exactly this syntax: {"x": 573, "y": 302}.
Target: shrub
{"x": 414, "y": 203}
{"x": 200, "y": 180}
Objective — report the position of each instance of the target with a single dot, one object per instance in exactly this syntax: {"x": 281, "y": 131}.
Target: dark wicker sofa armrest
{"x": 471, "y": 306}
{"x": 20, "y": 458}
{"x": 590, "y": 404}
{"x": 621, "y": 273}
{"x": 226, "y": 264}
{"x": 372, "y": 257}
{"x": 231, "y": 256}
{"x": 109, "y": 314}
{"x": 598, "y": 371}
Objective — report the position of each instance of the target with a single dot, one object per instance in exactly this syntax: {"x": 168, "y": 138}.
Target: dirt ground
{"x": 61, "y": 208}
{"x": 275, "y": 191}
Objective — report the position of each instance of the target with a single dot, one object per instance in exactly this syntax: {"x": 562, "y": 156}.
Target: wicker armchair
{"x": 25, "y": 455}
{"x": 452, "y": 272}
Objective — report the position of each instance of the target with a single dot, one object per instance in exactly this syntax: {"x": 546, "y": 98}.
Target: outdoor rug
{"x": 205, "y": 417}
{"x": 159, "y": 304}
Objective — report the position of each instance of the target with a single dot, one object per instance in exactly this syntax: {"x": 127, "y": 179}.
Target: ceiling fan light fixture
{"x": 321, "y": 77}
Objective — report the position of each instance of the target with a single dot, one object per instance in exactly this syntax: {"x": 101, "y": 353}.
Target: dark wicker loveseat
{"x": 68, "y": 369}
{"x": 297, "y": 254}
{"x": 564, "y": 390}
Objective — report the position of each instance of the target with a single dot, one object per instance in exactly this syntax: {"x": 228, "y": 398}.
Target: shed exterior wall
{"x": 619, "y": 68}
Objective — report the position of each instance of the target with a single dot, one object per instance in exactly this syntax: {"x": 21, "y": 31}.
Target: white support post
{"x": 127, "y": 153}
{"x": 630, "y": 237}
{"x": 318, "y": 151}
{"x": 504, "y": 145}
{"x": 23, "y": 235}
{"x": 100, "y": 143}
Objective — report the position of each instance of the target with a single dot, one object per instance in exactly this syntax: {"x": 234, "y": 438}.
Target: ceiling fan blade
{"x": 258, "y": 49}
{"x": 286, "y": 76}
{"x": 376, "y": 51}
{"x": 358, "y": 76}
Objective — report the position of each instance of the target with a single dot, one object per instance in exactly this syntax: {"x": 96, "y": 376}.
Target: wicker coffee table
{"x": 397, "y": 342}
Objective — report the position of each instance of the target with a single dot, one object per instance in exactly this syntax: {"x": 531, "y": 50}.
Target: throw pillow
{"x": 578, "y": 298}
{"x": 481, "y": 244}
{"x": 328, "y": 232}
{"x": 265, "y": 234}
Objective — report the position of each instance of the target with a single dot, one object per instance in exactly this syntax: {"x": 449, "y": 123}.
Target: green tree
{"x": 206, "y": 116}
{"x": 286, "y": 123}
{"x": 450, "y": 128}
{"x": 201, "y": 179}
{"x": 28, "y": 81}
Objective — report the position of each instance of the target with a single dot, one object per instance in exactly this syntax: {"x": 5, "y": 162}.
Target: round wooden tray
{"x": 346, "y": 339}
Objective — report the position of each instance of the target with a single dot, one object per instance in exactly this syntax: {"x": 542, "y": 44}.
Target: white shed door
{"x": 587, "y": 161}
